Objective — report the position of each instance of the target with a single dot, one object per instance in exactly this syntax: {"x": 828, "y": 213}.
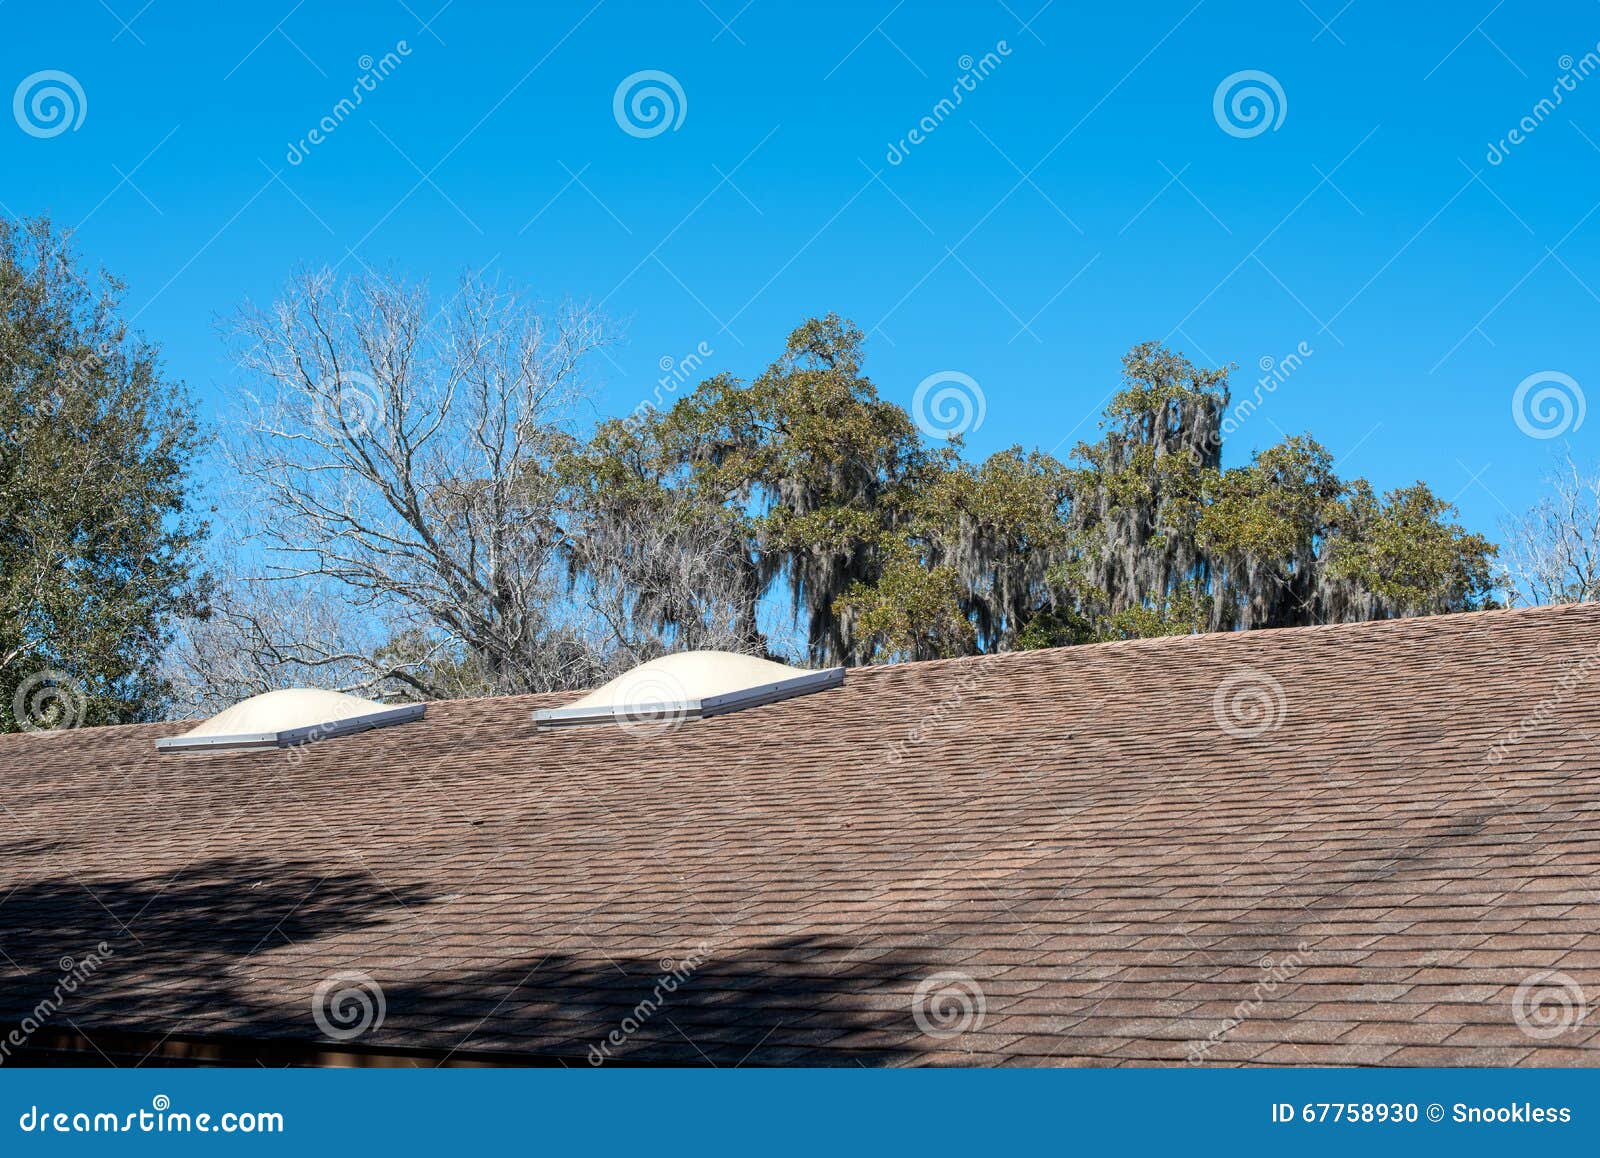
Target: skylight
{"x": 285, "y": 718}
{"x": 688, "y": 685}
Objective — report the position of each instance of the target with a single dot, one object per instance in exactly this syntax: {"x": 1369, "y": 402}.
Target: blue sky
{"x": 1083, "y": 196}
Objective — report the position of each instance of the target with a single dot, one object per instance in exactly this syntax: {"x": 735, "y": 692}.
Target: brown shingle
{"x": 1069, "y": 840}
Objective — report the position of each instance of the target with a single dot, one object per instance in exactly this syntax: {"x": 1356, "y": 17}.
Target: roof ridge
{"x": 1208, "y": 638}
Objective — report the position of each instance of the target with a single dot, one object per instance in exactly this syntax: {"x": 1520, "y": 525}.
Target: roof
{"x": 1337, "y": 845}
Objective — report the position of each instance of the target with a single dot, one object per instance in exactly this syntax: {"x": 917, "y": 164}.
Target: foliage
{"x": 1406, "y": 553}
{"x": 892, "y": 549}
{"x": 98, "y": 536}
{"x": 813, "y": 467}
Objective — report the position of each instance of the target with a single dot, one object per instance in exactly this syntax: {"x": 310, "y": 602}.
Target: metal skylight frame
{"x": 291, "y": 737}
{"x": 549, "y": 719}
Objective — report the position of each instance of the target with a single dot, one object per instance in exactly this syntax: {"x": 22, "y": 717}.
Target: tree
{"x": 98, "y": 533}
{"x": 811, "y": 467}
{"x": 1145, "y": 533}
{"x": 660, "y": 561}
{"x": 970, "y": 565}
{"x": 1402, "y": 556}
{"x": 410, "y": 461}
{"x": 1138, "y": 492}
{"x": 253, "y": 639}
{"x": 1553, "y": 551}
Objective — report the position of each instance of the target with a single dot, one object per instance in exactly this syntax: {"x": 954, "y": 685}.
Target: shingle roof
{"x": 1348, "y": 844}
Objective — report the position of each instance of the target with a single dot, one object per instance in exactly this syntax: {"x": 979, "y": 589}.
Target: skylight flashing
{"x": 689, "y": 706}
{"x": 295, "y": 734}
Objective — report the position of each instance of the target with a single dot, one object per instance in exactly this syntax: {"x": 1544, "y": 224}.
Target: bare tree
{"x": 1552, "y": 553}
{"x": 262, "y": 634}
{"x": 408, "y": 459}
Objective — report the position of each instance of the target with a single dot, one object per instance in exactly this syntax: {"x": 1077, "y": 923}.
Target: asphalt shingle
{"x": 1358, "y": 844}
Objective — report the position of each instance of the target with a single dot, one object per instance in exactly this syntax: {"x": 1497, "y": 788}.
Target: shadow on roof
{"x": 214, "y": 950}
{"x": 175, "y": 948}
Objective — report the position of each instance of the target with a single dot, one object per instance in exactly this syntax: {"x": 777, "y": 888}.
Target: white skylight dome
{"x": 292, "y": 716}
{"x": 690, "y": 684}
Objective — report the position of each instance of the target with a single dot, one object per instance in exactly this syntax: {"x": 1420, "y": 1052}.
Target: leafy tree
{"x": 1138, "y": 490}
{"x": 1402, "y": 556}
{"x": 1262, "y": 529}
{"x": 664, "y": 560}
{"x": 983, "y": 539}
{"x": 816, "y": 466}
{"x": 1146, "y": 534}
{"x": 1293, "y": 544}
{"x": 912, "y": 611}
{"x": 98, "y": 535}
